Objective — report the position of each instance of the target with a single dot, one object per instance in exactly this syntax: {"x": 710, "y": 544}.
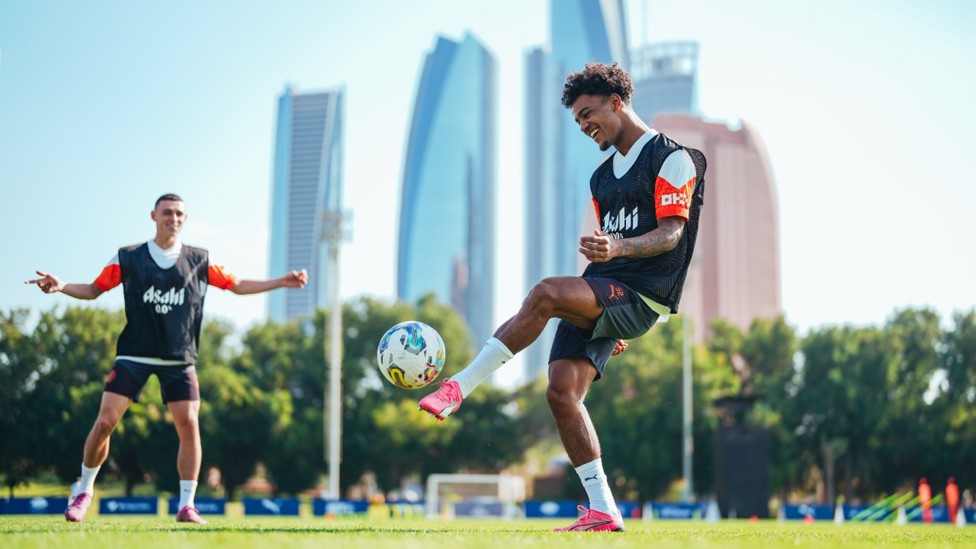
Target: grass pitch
{"x": 266, "y": 533}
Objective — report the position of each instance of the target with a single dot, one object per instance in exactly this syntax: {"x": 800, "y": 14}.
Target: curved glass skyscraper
{"x": 447, "y": 212}
{"x": 559, "y": 160}
{"x": 581, "y": 31}
{"x": 307, "y": 184}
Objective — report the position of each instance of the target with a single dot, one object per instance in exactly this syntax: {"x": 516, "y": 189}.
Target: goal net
{"x": 470, "y": 495}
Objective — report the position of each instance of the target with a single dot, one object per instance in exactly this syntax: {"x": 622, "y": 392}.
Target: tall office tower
{"x": 306, "y": 188}
{"x": 735, "y": 274}
{"x": 558, "y": 158}
{"x": 447, "y": 212}
{"x": 665, "y": 78}
{"x": 540, "y": 213}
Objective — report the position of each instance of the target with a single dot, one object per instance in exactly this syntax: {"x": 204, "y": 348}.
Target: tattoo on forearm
{"x": 656, "y": 242}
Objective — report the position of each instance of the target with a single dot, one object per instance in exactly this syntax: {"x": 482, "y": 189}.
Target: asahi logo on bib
{"x": 164, "y": 301}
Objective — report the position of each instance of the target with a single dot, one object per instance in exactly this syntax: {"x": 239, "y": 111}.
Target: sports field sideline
{"x": 141, "y": 533}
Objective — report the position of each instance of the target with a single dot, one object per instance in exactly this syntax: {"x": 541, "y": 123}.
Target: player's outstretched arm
{"x": 292, "y": 279}
{"x": 602, "y": 247}
{"x": 50, "y": 284}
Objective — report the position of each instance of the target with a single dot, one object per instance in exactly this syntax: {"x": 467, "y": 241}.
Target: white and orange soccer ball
{"x": 411, "y": 355}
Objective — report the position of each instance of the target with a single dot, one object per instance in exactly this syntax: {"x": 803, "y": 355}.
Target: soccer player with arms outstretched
{"x": 164, "y": 284}
{"x": 648, "y": 198}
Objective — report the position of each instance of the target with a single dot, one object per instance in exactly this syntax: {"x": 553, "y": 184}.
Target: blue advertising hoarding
{"x": 550, "y": 509}
{"x": 206, "y": 506}
{"x": 321, "y": 507}
{"x": 271, "y": 506}
{"x": 129, "y": 506}
{"x": 804, "y": 510}
{"x": 676, "y": 511}
{"x": 33, "y": 506}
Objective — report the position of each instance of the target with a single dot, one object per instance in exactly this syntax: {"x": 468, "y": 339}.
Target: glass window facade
{"x": 307, "y": 183}
{"x": 446, "y": 242}
{"x": 559, "y": 160}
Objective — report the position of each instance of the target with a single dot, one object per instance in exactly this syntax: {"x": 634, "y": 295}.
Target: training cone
{"x": 839, "y": 514}
{"x": 901, "y": 520}
{"x": 712, "y": 514}
{"x": 647, "y": 513}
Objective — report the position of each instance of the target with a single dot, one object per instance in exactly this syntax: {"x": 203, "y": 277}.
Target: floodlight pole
{"x": 689, "y": 441}
{"x": 688, "y": 446}
{"x": 332, "y": 236}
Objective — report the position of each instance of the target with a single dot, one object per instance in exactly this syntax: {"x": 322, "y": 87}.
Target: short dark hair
{"x": 598, "y": 79}
{"x": 167, "y": 196}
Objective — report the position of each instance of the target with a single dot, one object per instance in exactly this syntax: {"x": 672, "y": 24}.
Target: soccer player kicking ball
{"x": 648, "y": 197}
{"x": 164, "y": 283}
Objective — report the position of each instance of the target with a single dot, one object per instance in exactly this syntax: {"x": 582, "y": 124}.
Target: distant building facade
{"x": 665, "y": 78}
{"x": 735, "y": 274}
{"x": 306, "y": 186}
{"x": 448, "y": 207}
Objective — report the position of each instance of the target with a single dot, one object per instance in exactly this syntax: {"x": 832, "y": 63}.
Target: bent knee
{"x": 563, "y": 396}
{"x": 542, "y": 295}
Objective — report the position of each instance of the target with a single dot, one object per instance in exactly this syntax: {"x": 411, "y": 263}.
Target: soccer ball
{"x": 411, "y": 354}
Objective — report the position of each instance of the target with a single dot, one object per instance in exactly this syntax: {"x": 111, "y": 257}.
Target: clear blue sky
{"x": 866, "y": 109}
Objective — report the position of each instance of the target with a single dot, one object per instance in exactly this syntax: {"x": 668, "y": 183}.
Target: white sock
{"x": 597, "y": 487}
{"x": 188, "y": 489}
{"x": 87, "y": 482}
{"x": 491, "y": 358}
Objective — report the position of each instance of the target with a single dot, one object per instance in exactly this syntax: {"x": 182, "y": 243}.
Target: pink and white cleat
{"x": 594, "y": 521}
{"x": 189, "y": 514}
{"x": 78, "y": 507}
{"x": 444, "y": 401}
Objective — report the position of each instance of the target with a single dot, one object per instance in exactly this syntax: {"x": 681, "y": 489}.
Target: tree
{"x": 238, "y": 420}
{"x": 77, "y": 347}
{"x": 144, "y": 445}
{"x": 914, "y": 337}
{"x": 372, "y": 406}
{"x": 19, "y": 363}
{"x": 287, "y": 359}
{"x": 957, "y": 401}
{"x": 637, "y": 410}
{"x": 769, "y": 348}
{"x": 840, "y": 400}
{"x": 384, "y": 433}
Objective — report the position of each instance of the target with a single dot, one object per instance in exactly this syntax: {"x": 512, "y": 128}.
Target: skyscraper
{"x": 558, "y": 158}
{"x": 306, "y": 188}
{"x": 735, "y": 274}
{"x": 447, "y": 212}
{"x": 665, "y": 78}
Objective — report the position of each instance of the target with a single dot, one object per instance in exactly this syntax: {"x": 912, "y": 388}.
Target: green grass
{"x": 293, "y": 533}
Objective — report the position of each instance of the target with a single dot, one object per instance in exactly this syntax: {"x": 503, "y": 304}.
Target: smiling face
{"x": 169, "y": 216}
{"x": 599, "y": 118}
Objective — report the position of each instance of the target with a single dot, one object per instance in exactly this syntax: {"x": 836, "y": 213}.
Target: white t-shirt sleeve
{"x": 675, "y": 185}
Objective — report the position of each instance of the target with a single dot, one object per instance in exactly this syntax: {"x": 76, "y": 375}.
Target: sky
{"x": 866, "y": 110}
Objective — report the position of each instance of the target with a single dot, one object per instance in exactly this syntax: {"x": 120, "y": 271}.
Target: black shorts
{"x": 176, "y": 383}
{"x": 625, "y": 316}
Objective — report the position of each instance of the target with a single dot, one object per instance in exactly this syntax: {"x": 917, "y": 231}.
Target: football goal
{"x": 471, "y": 495}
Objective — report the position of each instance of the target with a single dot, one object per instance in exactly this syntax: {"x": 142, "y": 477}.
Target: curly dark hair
{"x": 598, "y": 79}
